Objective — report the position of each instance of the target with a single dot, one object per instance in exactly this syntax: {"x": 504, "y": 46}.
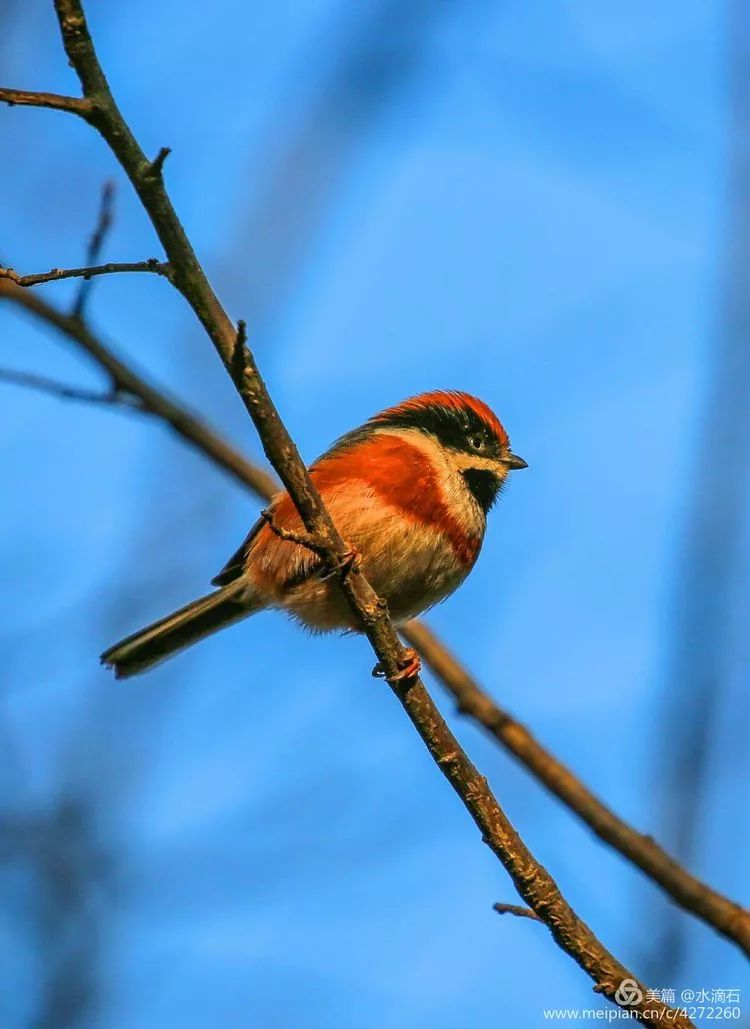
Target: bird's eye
{"x": 475, "y": 441}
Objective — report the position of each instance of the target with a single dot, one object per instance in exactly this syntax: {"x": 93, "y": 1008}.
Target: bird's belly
{"x": 411, "y": 567}
{"x": 414, "y": 569}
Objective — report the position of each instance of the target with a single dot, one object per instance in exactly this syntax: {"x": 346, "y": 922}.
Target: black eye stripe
{"x": 453, "y": 428}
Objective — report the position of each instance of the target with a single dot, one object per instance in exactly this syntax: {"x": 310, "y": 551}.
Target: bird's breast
{"x": 400, "y": 473}
{"x": 416, "y": 541}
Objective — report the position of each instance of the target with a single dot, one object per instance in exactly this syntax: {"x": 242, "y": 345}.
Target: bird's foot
{"x": 409, "y": 667}
{"x": 349, "y": 561}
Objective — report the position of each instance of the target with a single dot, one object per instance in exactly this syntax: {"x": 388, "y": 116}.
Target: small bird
{"x": 409, "y": 491}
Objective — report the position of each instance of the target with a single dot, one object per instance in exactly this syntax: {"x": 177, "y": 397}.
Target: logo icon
{"x": 628, "y": 993}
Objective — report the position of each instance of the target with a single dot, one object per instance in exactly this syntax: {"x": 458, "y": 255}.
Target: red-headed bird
{"x": 409, "y": 491}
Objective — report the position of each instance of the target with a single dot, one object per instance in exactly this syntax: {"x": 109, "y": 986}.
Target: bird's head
{"x": 469, "y": 434}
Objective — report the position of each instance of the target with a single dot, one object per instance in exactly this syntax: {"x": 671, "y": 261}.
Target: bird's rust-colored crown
{"x": 449, "y": 402}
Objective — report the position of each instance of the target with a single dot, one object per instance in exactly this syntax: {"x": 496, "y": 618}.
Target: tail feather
{"x": 181, "y": 629}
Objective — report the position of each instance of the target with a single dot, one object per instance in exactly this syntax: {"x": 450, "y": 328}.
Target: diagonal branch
{"x": 726, "y": 916}
{"x": 43, "y": 384}
{"x": 716, "y": 910}
{"x": 55, "y": 274}
{"x": 96, "y": 245}
{"x": 125, "y": 381}
{"x": 532, "y": 881}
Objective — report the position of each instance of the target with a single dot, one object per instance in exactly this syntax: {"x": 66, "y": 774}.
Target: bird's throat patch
{"x": 484, "y": 486}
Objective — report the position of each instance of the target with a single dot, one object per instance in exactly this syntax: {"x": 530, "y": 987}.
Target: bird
{"x": 409, "y": 491}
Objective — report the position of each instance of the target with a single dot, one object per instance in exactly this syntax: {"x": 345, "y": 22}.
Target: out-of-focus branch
{"x": 61, "y": 849}
{"x": 727, "y": 917}
{"x": 124, "y": 381}
{"x": 710, "y": 591}
{"x": 55, "y": 274}
{"x": 43, "y": 384}
{"x": 96, "y": 245}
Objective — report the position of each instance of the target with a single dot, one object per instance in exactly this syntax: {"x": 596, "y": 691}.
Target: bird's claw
{"x": 409, "y": 668}
{"x": 349, "y": 561}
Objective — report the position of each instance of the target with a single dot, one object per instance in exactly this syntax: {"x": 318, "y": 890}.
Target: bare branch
{"x": 125, "y": 381}
{"x": 156, "y": 168}
{"x": 534, "y": 884}
{"x": 55, "y": 101}
{"x": 96, "y": 244}
{"x": 42, "y": 384}
{"x": 187, "y": 274}
{"x": 516, "y": 909}
{"x": 302, "y": 539}
{"x": 55, "y": 274}
{"x": 727, "y": 917}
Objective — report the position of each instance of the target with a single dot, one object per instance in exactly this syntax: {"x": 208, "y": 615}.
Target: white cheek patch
{"x": 465, "y": 462}
{"x": 450, "y": 464}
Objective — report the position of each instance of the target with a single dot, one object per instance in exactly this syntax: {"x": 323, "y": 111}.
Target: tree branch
{"x": 55, "y": 101}
{"x": 516, "y": 909}
{"x": 726, "y": 916}
{"x": 125, "y": 381}
{"x": 532, "y": 881}
{"x": 96, "y": 245}
{"x": 150, "y": 265}
{"x": 42, "y": 384}
{"x": 146, "y": 177}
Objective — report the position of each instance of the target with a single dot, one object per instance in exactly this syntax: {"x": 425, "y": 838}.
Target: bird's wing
{"x": 349, "y": 476}
{"x": 235, "y": 566}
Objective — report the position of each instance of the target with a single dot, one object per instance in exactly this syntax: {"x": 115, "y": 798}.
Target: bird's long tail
{"x": 157, "y": 642}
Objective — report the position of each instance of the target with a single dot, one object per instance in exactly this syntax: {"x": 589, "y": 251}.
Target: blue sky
{"x": 525, "y": 201}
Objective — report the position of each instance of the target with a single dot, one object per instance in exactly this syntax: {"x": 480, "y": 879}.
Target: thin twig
{"x": 96, "y": 245}
{"x": 516, "y": 909}
{"x": 156, "y": 168}
{"x": 302, "y": 539}
{"x": 42, "y": 384}
{"x": 153, "y": 401}
{"x": 55, "y": 101}
{"x": 55, "y": 274}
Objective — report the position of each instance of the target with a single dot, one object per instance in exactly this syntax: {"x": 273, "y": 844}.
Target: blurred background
{"x": 545, "y": 204}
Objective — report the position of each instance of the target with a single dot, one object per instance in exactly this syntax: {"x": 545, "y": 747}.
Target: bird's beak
{"x": 514, "y": 462}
